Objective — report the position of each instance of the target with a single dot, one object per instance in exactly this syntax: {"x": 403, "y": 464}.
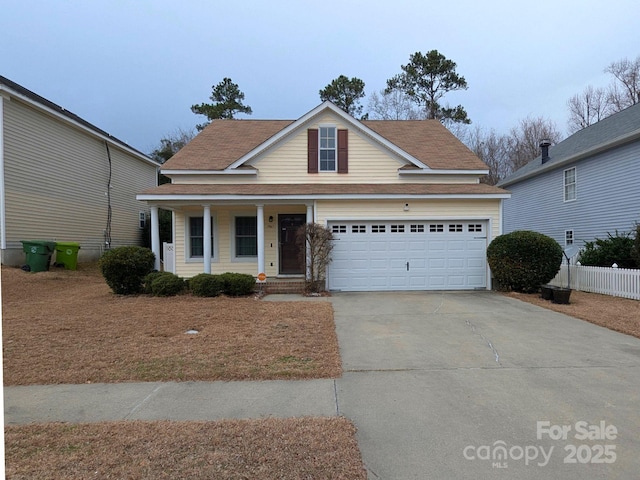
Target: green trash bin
{"x": 67, "y": 254}
{"x": 38, "y": 253}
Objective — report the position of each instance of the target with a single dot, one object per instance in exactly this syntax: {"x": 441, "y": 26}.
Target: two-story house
{"x": 584, "y": 187}
{"x": 403, "y": 199}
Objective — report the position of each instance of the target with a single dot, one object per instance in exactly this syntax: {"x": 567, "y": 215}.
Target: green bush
{"x": 524, "y": 260}
{"x": 167, "y": 285}
{"x": 206, "y": 285}
{"x": 149, "y": 278}
{"x": 616, "y": 249}
{"x": 635, "y": 252}
{"x": 237, "y": 284}
{"x": 124, "y": 268}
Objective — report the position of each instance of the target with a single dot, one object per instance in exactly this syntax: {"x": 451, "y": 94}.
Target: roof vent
{"x": 544, "y": 146}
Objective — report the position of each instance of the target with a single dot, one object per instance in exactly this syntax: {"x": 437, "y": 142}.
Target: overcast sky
{"x": 134, "y": 68}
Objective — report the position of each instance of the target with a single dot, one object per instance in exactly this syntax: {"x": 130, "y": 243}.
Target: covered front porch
{"x": 254, "y": 238}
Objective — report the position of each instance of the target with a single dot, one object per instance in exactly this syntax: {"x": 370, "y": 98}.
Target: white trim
{"x": 155, "y": 236}
{"x": 209, "y": 172}
{"x": 86, "y": 129}
{"x": 274, "y": 198}
{"x": 3, "y": 223}
{"x": 424, "y": 171}
{"x": 312, "y": 114}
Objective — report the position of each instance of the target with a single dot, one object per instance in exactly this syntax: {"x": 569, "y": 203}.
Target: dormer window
{"x": 327, "y": 149}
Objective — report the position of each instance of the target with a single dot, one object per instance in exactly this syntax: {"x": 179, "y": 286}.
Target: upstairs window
{"x": 570, "y": 184}
{"x": 327, "y": 149}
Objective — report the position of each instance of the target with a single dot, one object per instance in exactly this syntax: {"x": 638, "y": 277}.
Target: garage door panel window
{"x": 358, "y": 229}
{"x": 475, "y": 227}
{"x": 397, "y": 228}
{"x": 415, "y": 228}
{"x": 339, "y": 229}
{"x": 436, "y": 228}
{"x": 378, "y": 228}
{"x": 455, "y": 227}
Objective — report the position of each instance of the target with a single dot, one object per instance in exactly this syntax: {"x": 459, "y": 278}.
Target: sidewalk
{"x": 169, "y": 401}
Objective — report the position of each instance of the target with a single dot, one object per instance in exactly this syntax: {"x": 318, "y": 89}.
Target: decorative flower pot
{"x": 561, "y": 295}
{"x": 546, "y": 291}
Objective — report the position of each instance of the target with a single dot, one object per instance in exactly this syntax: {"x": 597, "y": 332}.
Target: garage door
{"x": 441, "y": 255}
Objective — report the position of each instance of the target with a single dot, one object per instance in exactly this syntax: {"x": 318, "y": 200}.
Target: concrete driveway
{"x": 477, "y": 385}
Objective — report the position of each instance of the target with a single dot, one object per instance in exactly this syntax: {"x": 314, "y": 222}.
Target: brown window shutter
{"x": 312, "y": 151}
{"x": 343, "y": 151}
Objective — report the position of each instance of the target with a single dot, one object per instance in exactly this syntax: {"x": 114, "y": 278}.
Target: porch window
{"x": 246, "y": 237}
{"x": 196, "y": 237}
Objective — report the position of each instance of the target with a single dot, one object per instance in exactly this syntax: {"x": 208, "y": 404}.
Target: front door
{"x": 290, "y": 258}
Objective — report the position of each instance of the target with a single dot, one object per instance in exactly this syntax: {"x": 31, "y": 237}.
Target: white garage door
{"x": 429, "y": 255}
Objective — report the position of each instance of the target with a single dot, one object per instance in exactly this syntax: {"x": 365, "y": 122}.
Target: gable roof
{"x": 16, "y": 90}
{"x": 616, "y": 130}
{"x": 229, "y": 144}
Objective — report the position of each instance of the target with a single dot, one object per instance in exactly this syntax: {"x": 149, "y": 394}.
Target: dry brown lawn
{"x": 619, "y": 314}
{"x": 313, "y": 448}
{"x": 68, "y": 327}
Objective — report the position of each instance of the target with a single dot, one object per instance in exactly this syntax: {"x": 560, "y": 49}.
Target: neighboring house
{"x": 63, "y": 179}
{"x": 583, "y": 187}
{"x": 403, "y": 199}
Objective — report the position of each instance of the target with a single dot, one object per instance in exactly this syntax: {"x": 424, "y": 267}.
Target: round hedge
{"x": 206, "y": 285}
{"x": 167, "y": 285}
{"x": 523, "y": 260}
{"x": 124, "y": 268}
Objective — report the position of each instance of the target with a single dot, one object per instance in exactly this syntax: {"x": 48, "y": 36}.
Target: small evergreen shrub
{"x": 616, "y": 249}
{"x": 167, "y": 285}
{"x": 524, "y": 260}
{"x": 206, "y": 285}
{"x": 237, "y": 284}
{"x": 635, "y": 251}
{"x": 124, "y": 268}
{"x": 149, "y": 278}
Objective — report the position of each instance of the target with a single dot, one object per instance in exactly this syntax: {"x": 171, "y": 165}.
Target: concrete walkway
{"x": 439, "y": 385}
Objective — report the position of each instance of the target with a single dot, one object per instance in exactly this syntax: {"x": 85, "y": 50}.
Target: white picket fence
{"x": 618, "y": 282}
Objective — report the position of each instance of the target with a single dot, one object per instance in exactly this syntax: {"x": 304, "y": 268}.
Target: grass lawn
{"x": 314, "y": 448}
{"x": 68, "y": 327}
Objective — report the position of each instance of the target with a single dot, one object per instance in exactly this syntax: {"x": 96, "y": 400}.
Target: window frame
{"x": 567, "y": 185}
{"x": 321, "y": 149}
{"x": 189, "y": 257}
{"x": 569, "y": 235}
{"x": 234, "y": 236}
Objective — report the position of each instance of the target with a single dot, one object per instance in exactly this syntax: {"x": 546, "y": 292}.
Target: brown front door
{"x": 290, "y": 259}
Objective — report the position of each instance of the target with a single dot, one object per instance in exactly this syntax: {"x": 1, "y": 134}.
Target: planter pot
{"x": 546, "y": 291}
{"x": 561, "y": 295}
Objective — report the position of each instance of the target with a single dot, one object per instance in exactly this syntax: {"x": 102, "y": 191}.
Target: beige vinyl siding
{"x": 224, "y": 228}
{"x": 56, "y": 179}
{"x": 369, "y": 162}
{"x": 418, "y": 209}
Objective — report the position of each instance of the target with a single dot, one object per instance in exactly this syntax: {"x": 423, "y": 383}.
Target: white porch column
{"x": 308, "y": 247}
{"x": 206, "y": 254}
{"x": 260, "y": 220}
{"x": 155, "y": 236}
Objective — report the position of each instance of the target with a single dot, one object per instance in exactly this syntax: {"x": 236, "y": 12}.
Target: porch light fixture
{"x": 270, "y": 218}
{"x": 406, "y": 207}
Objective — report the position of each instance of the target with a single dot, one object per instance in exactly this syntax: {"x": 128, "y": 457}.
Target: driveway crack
{"x": 144, "y": 400}
{"x": 335, "y": 396}
{"x": 496, "y": 355}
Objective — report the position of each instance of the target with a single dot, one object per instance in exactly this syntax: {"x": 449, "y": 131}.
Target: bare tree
{"x": 587, "y": 108}
{"x": 523, "y": 141}
{"x": 491, "y": 149}
{"x": 625, "y": 91}
{"x": 316, "y": 243}
{"x": 392, "y": 105}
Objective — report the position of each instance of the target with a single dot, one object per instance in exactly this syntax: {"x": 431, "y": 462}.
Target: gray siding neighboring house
{"x": 588, "y": 186}
{"x": 54, "y": 177}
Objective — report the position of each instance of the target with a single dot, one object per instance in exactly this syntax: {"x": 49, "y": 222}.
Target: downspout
{"x": 3, "y": 228}
{"x": 107, "y": 230}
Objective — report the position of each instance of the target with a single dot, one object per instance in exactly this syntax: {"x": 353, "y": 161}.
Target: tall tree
{"x": 625, "y": 91}
{"x": 345, "y": 93}
{"x": 169, "y": 146}
{"x": 393, "y": 105}
{"x": 227, "y": 99}
{"x": 426, "y": 79}
{"x": 587, "y": 108}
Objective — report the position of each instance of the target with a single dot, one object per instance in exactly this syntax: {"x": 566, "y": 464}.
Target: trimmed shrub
{"x": 616, "y": 249}
{"x": 237, "y": 284}
{"x": 167, "y": 285}
{"x": 524, "y": 260}
{"x": 206, "y": 285}
{"x": 124, "y": 268}
{"x": 149, "y": 278}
